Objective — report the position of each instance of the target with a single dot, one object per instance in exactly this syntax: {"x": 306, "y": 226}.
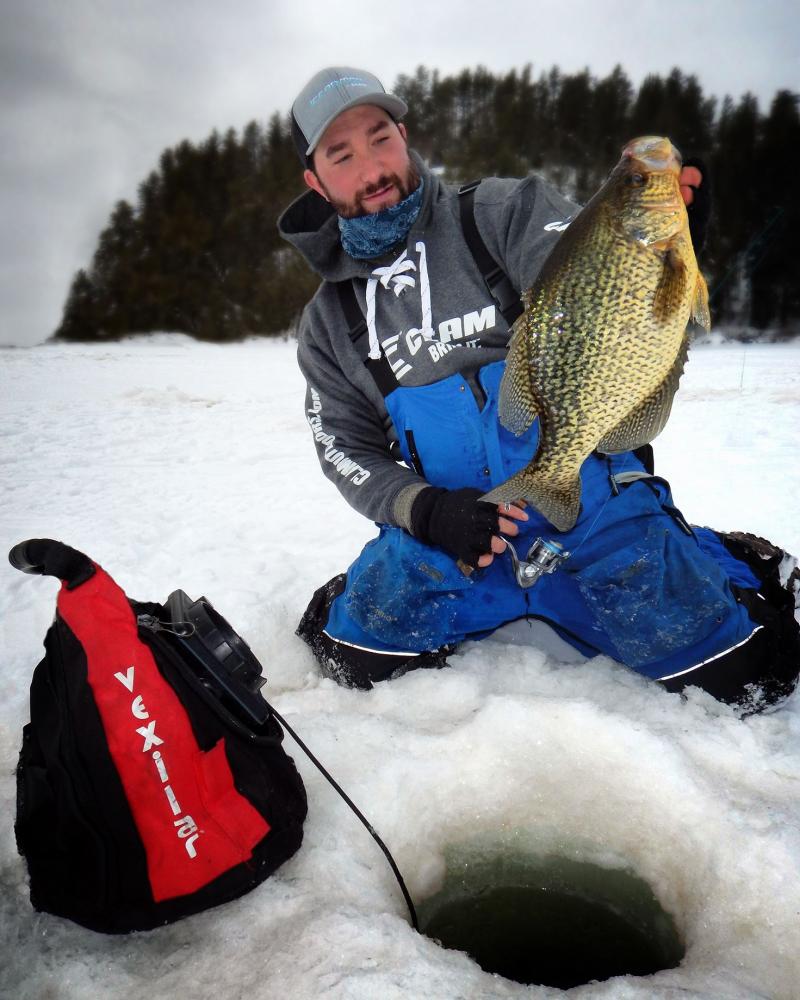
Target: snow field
{"x": 176, "y": 464}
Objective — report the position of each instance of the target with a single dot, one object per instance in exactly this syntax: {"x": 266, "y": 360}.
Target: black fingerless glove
{"x": 699, "y": 211}
{"x": 455, "y": 520}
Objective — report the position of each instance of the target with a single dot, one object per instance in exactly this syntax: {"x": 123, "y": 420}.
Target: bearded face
{"x": 366, "y": 200}
{"x": 361, "y": 164}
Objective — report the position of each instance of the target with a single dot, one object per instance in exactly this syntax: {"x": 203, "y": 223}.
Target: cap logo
{"x": 352, "y": 81}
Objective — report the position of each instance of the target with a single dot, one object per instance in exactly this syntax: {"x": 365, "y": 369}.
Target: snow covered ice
{"x": 177, "y": 464}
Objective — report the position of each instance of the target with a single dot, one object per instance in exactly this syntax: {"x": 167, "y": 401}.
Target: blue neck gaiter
{"x": 368, "y": 236}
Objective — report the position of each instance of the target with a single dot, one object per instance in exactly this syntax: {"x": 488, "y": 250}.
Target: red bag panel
{"x": 192, "y": 821}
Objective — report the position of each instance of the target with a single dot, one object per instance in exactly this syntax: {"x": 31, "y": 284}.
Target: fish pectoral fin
{"x": 671, "y": 289}
{"x": 560, "y": 504}
{"x": 517, "y": 407}
{"x": 649, "y": 418}
{"x": 701, "y": 312}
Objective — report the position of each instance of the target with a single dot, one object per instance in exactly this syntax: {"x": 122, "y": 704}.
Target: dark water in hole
{"x": 550, "y": 920}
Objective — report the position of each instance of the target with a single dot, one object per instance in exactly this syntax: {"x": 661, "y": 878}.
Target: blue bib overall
{"x": 639, "y": 585}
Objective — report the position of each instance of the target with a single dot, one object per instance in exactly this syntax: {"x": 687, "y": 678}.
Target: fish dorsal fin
{"x": 650, "y": 417}
{"x": 517, "y": 408}
{"x": 671, "y": 290}
{"x": 701, "y": 313}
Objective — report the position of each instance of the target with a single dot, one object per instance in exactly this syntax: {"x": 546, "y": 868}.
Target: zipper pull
{"x": 152, "y": 623}
{"x": 149, "y": 622}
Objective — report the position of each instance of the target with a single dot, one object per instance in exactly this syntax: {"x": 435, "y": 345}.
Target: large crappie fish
{"x": 598, "y": 352}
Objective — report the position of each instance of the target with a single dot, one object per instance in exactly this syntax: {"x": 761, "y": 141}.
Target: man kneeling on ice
{"x": 403, "y": 348}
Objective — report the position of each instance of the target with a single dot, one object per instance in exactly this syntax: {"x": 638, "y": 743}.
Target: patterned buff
{"x": 368, "y": 236}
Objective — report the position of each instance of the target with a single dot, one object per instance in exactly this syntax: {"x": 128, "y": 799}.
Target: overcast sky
{"x": 92, "y": 91}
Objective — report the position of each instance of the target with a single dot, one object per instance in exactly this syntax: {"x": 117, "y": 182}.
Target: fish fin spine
{"x": 701, "y": 312}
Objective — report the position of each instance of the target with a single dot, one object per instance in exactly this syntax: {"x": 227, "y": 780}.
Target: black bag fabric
{"x": 144, "y": 792}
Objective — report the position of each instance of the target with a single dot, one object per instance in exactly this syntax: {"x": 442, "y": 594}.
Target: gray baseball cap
{"x": 330, "y": 92}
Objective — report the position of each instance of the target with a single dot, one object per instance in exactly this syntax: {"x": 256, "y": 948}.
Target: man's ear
{"x": 312, "y": 181}
{"x": 402, "y": 130}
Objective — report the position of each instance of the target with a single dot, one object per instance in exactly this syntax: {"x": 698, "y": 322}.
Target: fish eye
{"x": 636, "y": 180}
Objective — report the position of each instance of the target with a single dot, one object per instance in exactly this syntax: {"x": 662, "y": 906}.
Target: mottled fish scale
{"x": 600, "y": 348}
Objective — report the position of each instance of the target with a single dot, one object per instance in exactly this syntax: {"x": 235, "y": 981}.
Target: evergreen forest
{"x": 198, "y": 250}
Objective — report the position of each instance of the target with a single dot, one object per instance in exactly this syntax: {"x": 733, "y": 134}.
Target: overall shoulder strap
{"x": 497, "y": 281}
{"x": 357, "y": 325}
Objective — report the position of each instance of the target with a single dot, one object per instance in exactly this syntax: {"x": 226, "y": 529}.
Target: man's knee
{"x": 763, "y": 670}
{"x": 760, "y": 672}
{"x": 353, "y": 664}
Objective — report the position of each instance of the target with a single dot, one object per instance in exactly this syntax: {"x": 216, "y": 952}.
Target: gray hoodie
{"x": 428, "y": 310}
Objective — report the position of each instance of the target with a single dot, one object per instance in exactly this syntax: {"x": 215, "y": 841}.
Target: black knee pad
{"x": 759, "y": 673}
{"x": 763, "y": 670}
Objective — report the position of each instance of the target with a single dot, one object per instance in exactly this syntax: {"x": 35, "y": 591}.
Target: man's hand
{"x": 462, "y": 524}
{"x": 691, "y": 178}
{"x": 508, "y": 513}
{"x": 696, "y": 193}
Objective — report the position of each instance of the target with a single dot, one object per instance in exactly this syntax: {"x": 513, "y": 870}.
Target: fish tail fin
{"x": 560, "y": 504}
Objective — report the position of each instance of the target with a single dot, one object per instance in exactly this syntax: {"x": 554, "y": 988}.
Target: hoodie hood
{"x": 311, "y": 225}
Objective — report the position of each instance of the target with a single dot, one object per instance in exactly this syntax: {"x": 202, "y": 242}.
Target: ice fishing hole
{"x": 549, "y": 920}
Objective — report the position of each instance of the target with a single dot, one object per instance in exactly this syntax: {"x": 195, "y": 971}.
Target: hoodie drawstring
{"x": 396, "y": 275}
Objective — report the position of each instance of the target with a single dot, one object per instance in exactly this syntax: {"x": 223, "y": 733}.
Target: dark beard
{"x": 353, "y": 209}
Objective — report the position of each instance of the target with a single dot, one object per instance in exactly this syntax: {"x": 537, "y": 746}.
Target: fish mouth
{"x": 655, "y": 152}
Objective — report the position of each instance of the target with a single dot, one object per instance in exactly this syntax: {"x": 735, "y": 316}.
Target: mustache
{"x": 378, "y": 185}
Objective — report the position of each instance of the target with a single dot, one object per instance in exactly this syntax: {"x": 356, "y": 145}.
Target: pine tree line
{"x": 199, "y": 252}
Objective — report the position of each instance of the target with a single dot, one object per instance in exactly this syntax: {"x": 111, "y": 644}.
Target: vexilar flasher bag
{"x": 152, "y": 783}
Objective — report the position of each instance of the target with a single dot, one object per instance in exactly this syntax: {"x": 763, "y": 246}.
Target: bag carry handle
{"x": 47, "y": 557}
